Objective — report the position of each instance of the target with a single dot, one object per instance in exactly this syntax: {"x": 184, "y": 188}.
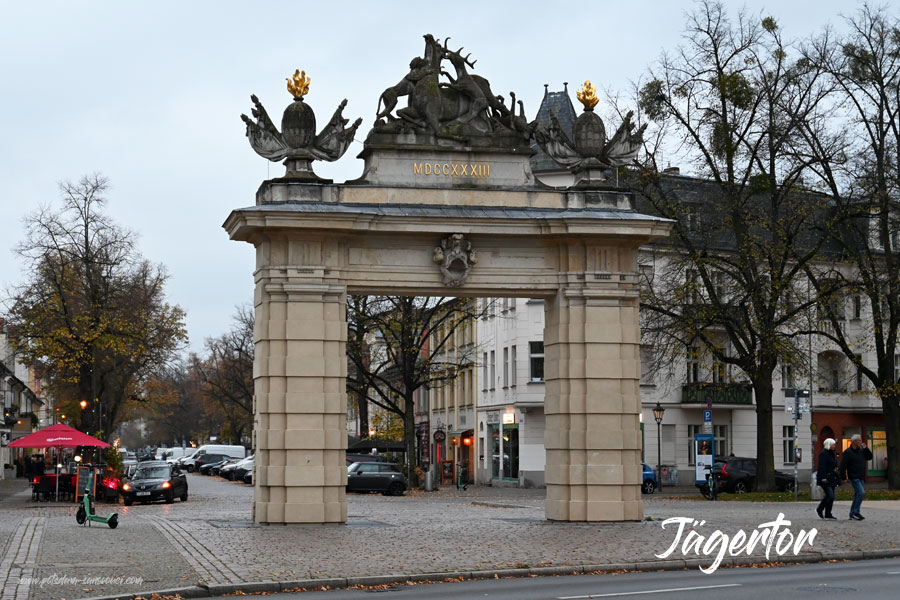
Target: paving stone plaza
{"x": 211, "y": 545}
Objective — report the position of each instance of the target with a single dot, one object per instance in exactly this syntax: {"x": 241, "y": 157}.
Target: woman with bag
{"x": 827, "y": 478}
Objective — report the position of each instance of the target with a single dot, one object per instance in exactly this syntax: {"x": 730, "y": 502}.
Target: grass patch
{"x": 843, "y": 493}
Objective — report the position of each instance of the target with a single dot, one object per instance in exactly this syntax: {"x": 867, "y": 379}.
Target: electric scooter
{"x": 86, "y": 513}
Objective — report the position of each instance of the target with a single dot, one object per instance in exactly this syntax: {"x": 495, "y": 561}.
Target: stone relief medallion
{"x": 455, "y": 257}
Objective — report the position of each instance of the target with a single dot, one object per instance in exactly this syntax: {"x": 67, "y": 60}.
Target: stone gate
{"x": 447, "y": 205}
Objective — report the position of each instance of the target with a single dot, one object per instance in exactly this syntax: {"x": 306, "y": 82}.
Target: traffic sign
{"x": 707, "y": 416}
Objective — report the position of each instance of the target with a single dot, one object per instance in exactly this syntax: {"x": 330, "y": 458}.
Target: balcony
{"x": 717, "y": 393}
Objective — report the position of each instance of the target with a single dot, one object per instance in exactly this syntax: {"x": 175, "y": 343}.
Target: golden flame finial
{"x": 587, "y": 95}
{"x": 298, "y": 86}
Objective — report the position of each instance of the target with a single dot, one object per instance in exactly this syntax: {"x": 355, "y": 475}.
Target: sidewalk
{"x": 210, "y": 546}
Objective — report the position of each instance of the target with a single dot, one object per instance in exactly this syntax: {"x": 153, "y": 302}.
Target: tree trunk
{"x": 409, "y": 434}
{"x": 765, "y": 455}
{"x": 891, "y": 407}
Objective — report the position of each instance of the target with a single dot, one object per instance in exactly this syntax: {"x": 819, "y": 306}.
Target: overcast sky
{"x": 150, "y": 94}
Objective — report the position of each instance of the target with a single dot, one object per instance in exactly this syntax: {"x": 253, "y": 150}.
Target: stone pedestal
{"x": 300, "y": 371}
{"x": 592, "y": 403}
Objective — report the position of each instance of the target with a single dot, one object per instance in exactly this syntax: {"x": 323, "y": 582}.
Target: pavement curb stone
{"x": 207, "y": 591}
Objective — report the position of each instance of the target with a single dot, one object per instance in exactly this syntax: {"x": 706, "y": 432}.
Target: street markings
{"x": 641, "y": 592}
{"x": 208, "y": 567}
{"x": 17, "y": 565}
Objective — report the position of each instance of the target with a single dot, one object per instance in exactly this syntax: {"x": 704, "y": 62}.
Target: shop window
{"x": 877, "y": 442}
{"x": 510, "y": 452}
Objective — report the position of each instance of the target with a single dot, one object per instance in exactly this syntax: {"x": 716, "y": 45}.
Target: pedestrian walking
{"x": 827, "y": 478}
{"x": 853, "y": 467}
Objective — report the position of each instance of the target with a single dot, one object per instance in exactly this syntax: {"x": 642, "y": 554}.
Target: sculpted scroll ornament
{"x": 455, "y": 257}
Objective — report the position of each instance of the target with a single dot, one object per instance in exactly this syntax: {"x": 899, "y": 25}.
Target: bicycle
{"x": 711, "y": 490}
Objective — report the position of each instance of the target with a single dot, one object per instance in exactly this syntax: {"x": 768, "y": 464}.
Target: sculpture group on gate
{"x": 459, "y": 106}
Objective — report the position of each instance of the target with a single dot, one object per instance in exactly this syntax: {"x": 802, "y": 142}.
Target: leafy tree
{"x": 407, "y": 348}
{"x": 728, "y": 283}
{"x": 860, "y": 163}
{"x": 92, "y": 311}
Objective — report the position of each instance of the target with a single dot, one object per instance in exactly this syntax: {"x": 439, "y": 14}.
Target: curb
{"x": 213, "y": 590}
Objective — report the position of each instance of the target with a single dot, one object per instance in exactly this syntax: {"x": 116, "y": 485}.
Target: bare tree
{"x": 406, "y": 349}
{"x": 859, "y": 157}
{"x": 729, "y": 282}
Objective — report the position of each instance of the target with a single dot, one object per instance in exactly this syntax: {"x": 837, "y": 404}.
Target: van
{"x": 170, "y": 455}
{"x": 232, "y": 451}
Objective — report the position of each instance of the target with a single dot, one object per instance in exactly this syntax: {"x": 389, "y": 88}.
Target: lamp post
{"x": 658, "y": 412}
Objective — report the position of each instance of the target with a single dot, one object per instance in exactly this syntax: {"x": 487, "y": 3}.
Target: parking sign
{"x": 707, "y": 416}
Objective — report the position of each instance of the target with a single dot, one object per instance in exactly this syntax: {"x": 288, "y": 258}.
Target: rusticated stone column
{"x": 592, "y": 403}
{"x": 300, "y": 369}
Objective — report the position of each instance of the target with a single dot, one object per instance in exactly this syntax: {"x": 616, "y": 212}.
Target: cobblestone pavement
{"x": 211, "y": 540}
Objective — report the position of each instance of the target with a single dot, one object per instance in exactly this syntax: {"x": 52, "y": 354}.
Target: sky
{"x": 149, "y": 94}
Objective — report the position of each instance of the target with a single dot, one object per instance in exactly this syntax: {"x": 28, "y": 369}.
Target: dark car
{"x": 375, "y": 477}
{"x": 737, "y": 475}
{"x": 207, "y": 459}
{"x": 155, "y": 480}
{"x": 242, "y": 468}
{"x": 649, "y": 484}
{"x": 209, "y": 467}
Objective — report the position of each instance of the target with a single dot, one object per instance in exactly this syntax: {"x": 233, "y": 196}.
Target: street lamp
{"x": 658, "y": 412}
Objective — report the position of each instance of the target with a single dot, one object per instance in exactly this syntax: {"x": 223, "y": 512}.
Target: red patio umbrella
{"x": 57, "y": 436}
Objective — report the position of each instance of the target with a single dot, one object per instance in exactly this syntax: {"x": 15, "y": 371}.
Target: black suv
{"x": 375, "y": 477}
{"x": 737, "y": 475}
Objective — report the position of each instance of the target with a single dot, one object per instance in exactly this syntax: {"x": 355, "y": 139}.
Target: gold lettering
{"x": 417, "y": 168}
{"x": 464, "y": 170}
{"x": 488, "y": 167}
{"x": 474, "y": 173}
{"x": 446, "y": 169}
{"x": 437, "y": 168}
{"x": 428, "y": 168}
{"x": 455, "y": 169}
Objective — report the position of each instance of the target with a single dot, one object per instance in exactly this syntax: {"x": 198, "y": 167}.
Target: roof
{"x": 559, "y": 104}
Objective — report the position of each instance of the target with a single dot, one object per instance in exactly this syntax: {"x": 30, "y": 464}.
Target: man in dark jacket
{"x": 853, "y": 467}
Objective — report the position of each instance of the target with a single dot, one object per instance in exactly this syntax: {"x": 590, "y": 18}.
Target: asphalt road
{"x": 871, "y": 579}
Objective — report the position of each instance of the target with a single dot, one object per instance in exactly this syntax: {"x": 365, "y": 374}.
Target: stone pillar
{"x": 592, "y": 404}
{"x": 300, "y": 370}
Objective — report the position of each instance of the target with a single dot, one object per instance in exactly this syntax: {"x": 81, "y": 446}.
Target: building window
{"x": 512, "y": 366}
{"x": 693, "y": 365}
{"x": 720, "y": 439}
{"x": 506, "y": 367}
{"x": 857, "y": 307}
{"x": 536, "y": 356}
{"x": 787, "y": 376}
{"x": 484, "y": 372}
{"x": 787, "y": 443}
{"x": 493, "y": 369}
{"x": 897, "y": 368}
{"x": 719, "y": 371}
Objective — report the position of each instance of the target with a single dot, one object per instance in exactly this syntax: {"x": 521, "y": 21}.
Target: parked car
{"x": 650, "y": 484}
{"x": 155, "y": 480}
{"x": 375, "y": 477}
{"x": 242, "y": 469}
{"x": 737, "y": 475}
{"x": 248, "y": 477}
{"x": 206, "y": 459}
{"x": 190, "y": 462}
{"x": 206, "y": 468}
{"x": 228, "y": 470}
{"x": 216, "y": 469}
